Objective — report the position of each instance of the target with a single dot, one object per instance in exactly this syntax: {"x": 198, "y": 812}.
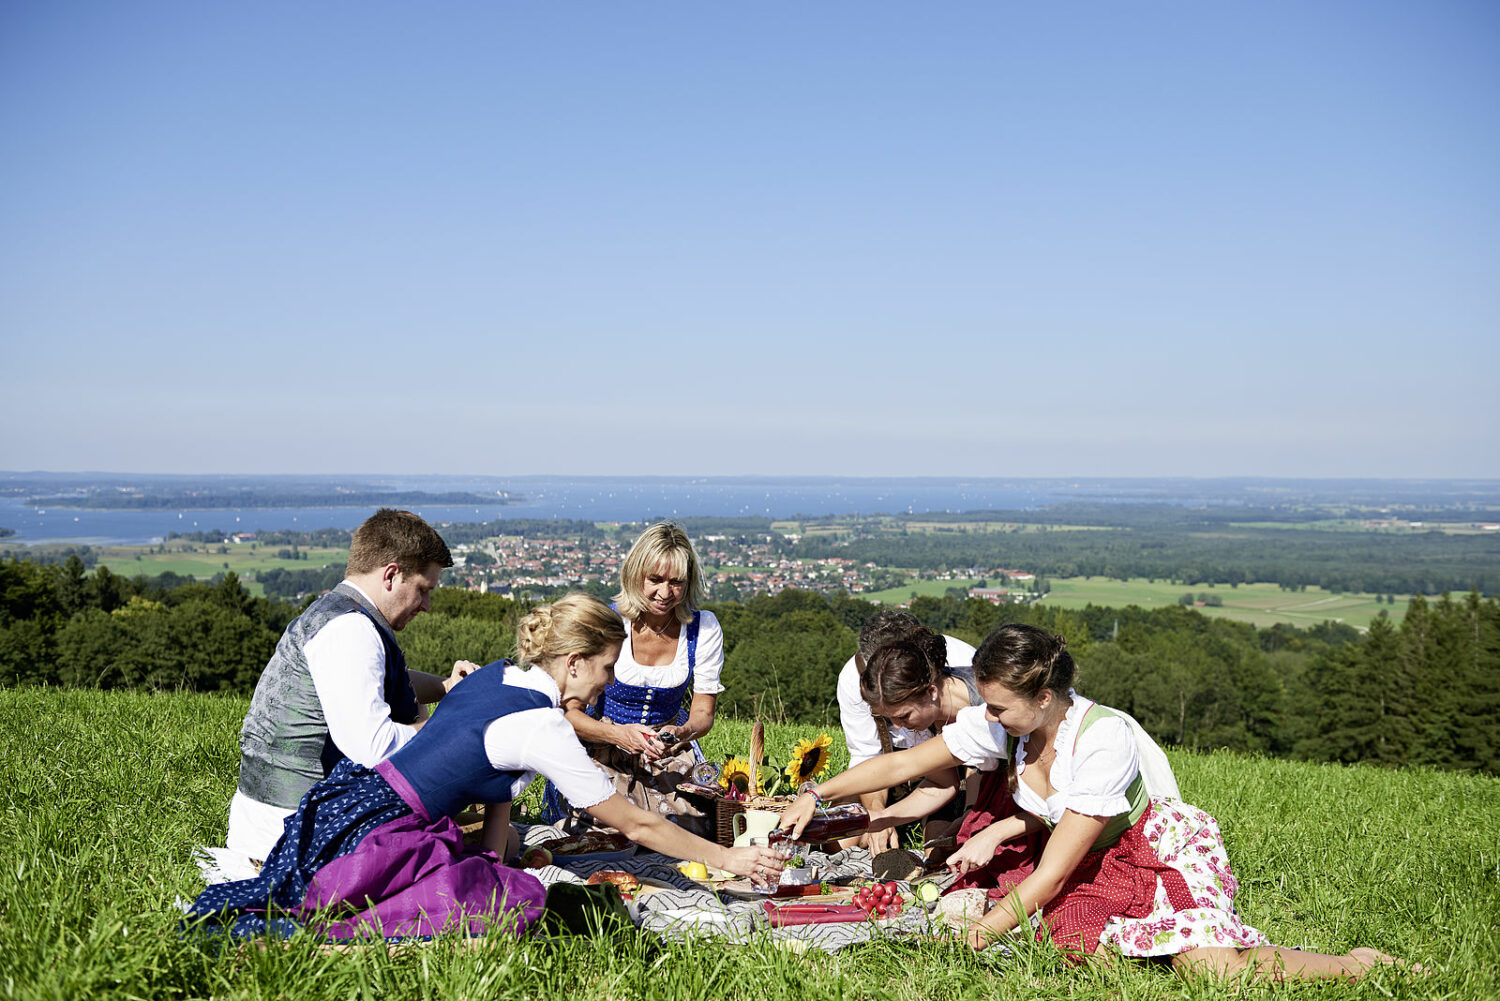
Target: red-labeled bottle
{"x": 827, "y": 824}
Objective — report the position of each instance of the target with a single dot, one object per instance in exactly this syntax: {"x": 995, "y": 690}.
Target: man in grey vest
{"x": 337, "y": 685}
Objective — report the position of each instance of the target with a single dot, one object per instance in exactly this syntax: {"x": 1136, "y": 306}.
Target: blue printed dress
{"x": 374, "y": 852}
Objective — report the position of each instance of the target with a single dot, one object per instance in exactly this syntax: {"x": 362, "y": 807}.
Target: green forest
{"x": 1193, "y": 547}
{"x": 1424, "y": 692}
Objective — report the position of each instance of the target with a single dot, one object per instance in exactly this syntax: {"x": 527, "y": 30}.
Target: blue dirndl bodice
{"x": 646, "y": 705}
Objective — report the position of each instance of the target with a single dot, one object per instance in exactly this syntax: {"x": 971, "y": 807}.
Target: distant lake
{"x": 594, "y": 499}
{"x": 648, "y": 498}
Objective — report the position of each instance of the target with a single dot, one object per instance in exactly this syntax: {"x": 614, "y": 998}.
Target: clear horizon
{"x": 856, "y": 239}
{"x": 387, "y": 475}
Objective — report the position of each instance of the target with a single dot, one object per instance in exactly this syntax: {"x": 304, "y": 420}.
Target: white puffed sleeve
{"x": 1103, "y": 766}
{"x": 542, "y": 741}
{"x": 860, "y": 733}
{"x": 708, "y": 658}
{"x": 974, "y": 740}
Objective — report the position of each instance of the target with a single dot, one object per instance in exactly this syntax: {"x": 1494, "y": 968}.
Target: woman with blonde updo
{"x": 376, "y": 850}
{"x": 643, "y": 729}
{"x": 1065, "y": 825}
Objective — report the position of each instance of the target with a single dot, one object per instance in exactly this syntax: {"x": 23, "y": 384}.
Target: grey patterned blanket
{"x": 688, "y": 910}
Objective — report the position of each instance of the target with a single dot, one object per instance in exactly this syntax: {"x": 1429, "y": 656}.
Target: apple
{"x": 535, "y": 858}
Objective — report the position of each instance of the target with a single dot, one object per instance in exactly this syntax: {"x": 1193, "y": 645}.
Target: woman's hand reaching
{"x": 977, "y": 851}
{"x": 461, "y": 670}
{"x": 979, "y": 937}
{"x": 796, "y": 816}
{"x": 762, "y": 864}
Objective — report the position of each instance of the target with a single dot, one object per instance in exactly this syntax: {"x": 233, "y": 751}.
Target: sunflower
{"x": 736, "y": 773}
{"x": 809, "y": 759}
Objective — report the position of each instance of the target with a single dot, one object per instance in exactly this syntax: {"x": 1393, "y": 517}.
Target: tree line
{"x": 1426, "y": 691}
{"x": 1367, "y": 562}
{"x": 61, "y": 625}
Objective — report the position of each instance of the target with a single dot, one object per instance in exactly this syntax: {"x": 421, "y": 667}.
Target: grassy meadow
{"x": 917, "y": 588}
{"x": 105, "y": 794}
{"x": 1260, "y": 605}
{"x": 202, "y": 560}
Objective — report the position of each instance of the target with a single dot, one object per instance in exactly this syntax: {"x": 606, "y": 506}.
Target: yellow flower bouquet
{"x": 743, "y": 779}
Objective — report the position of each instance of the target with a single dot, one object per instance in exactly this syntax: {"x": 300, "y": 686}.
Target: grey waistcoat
{"x": 284, "y": 745}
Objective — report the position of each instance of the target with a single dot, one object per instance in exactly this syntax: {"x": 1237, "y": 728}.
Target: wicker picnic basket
{"x": 725, "y": 809}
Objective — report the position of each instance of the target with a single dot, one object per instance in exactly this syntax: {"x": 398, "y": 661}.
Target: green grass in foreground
{"x": 104, "y": 796}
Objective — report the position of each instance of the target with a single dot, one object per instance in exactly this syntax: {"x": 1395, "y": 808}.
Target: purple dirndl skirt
{"x": 360, "y": 858}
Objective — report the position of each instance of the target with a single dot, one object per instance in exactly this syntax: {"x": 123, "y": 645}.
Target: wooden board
{"x": 743, "y": 890}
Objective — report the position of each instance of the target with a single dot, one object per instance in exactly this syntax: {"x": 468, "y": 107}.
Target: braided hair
{"x": 575, "y": 623}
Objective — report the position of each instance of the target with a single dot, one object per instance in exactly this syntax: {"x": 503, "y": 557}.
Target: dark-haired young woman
{"x": 1064, "y": 825}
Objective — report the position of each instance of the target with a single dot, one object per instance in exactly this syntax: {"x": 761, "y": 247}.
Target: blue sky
{"x": 990, "y": 239}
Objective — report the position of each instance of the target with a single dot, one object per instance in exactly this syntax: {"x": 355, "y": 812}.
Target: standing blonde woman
{"x": 643, "y": 730}
{"x": 377, "y": 851}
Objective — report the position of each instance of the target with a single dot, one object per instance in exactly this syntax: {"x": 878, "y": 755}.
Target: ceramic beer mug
{"x": 753, "y": 826}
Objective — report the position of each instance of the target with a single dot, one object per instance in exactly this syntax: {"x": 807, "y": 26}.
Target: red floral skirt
{"x": 1163, "y": 888}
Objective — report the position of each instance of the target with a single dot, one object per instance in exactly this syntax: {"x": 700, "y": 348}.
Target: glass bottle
{"x": 828, "y": 824}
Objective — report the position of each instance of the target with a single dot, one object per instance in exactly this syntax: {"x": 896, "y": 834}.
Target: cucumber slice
{"x": 927, "y": 893}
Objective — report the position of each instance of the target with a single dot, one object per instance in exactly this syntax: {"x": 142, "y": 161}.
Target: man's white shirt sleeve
{"x": 347, "y": 662}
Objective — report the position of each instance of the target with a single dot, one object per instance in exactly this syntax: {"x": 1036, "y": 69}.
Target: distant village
{"x": 733, "y": 570}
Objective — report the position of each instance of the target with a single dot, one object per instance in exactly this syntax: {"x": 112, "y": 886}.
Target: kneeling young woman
{"x": 1063, "y": 825}
{"x": 375, "y": 851}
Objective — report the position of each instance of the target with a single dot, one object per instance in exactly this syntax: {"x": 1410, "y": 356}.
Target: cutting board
{"x": 810, "y": 913}
{"x": 744, "y": 890}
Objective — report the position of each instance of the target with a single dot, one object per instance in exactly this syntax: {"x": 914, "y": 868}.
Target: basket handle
{"x": 757, "y": 751}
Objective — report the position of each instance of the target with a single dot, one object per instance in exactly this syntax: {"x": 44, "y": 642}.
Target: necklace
{"x": 648, "y": 627}
{"x": 1047, "y": 753}
{"x": 1048, "y": 750}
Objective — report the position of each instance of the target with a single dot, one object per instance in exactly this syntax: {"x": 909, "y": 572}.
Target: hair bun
{"x": 575, "y": 623}
{"x": 533, "y": 632}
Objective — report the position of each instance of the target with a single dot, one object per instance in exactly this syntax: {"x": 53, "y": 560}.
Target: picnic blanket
{"x": 680, "y": 908}
{"x": 689, "y": 910}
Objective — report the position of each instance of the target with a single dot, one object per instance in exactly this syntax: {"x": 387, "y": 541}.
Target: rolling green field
{"x": 1391, "y": 527}
{"x": 103, "y": 797}
{"x": 917, "y": 588}
{"x": 207, "y": 561}
{"x": 983, "y": 527}
{"x": 1259, "y": 604}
